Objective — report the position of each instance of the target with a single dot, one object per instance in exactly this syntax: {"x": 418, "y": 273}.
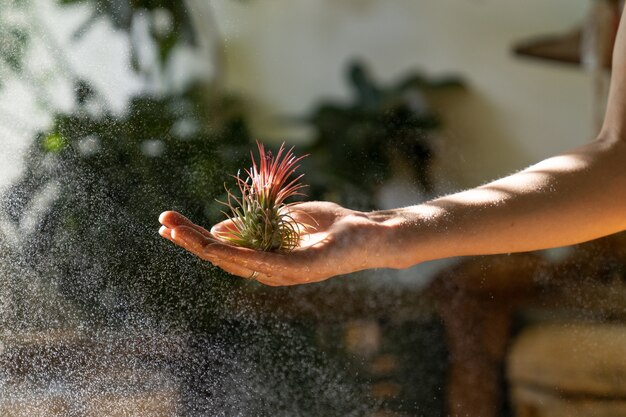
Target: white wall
{"x": 286, "y": 54}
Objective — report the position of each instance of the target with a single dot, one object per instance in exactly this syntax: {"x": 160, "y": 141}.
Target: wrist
{"x": 401, "y": 235}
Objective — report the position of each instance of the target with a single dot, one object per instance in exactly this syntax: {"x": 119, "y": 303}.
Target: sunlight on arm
{"x": 537, "y": 178}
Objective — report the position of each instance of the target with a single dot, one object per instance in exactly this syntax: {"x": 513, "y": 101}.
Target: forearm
{"x": 571, "y": 198}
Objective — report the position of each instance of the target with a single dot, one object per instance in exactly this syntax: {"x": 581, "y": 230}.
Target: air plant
{"x": 260, "y": 215}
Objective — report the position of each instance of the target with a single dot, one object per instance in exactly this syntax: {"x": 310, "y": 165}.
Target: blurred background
{"x": 112, "y": 111}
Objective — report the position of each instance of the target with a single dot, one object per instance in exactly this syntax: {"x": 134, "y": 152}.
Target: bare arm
{"x": 576, "y": 196}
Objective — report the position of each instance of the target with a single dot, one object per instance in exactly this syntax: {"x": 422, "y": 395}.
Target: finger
{"x": 227, "y": 226}
{"x": 269, "y": 282}
{"x": 206, "y": 247}
{"x": 231, "y": 268}
{"x": 235, "y": 269}
{"x": 192, "y": 240}
{"x": 209, "y": 248}
{"x": 271, "y": 279}
{"x": 318, "y": 213}
{"x": 249, "y": 274}
{"x": 276, "y": 267}
{"x": 166, "y": 232}
{"x": 246, "y": 272}
{"x": 174, "y": 219}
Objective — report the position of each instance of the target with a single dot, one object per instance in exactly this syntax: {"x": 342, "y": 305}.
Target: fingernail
{"x": 162, "y": 217}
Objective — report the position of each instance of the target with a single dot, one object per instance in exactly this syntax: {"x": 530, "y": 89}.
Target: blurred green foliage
{"x": 359, "y": 143}
{"x": 94, "y": 183}
{"x": 107, "y": 178}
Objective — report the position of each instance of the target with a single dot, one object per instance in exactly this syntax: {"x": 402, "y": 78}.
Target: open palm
{"x": 334, "y": 242}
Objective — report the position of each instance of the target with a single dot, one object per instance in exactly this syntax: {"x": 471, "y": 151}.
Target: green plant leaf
{"x": 53, "y": 142}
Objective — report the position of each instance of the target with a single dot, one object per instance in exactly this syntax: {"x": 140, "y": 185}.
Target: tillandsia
{"x": 261, "y": 218}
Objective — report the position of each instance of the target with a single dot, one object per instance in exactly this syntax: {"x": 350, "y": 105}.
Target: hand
{"x": 338, "y": 241}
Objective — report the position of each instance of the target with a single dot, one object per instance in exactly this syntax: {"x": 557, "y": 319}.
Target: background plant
{"x": 358, "y": 143}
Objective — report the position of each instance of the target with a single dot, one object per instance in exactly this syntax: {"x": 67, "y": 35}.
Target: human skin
{"x": 566, "y": 199}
